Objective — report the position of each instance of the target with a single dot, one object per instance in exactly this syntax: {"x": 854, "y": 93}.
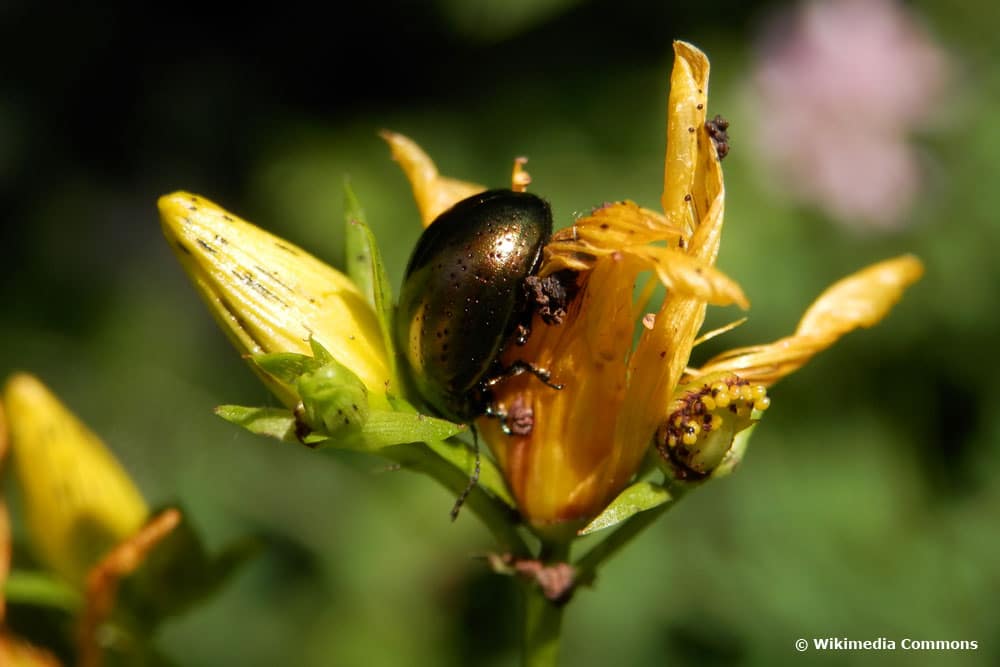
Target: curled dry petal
{"x": 859, "y": 300}
{"x": 105, "y": 577}
{"x": 434, "y": 193}
{"x": 629, "y": 233}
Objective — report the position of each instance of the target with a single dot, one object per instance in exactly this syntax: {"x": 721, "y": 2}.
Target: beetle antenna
{"x": 472, "y": 480}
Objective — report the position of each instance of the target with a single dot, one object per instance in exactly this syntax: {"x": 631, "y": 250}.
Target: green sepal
{"x": 320, "y": 353}
{"x": 41, "y": 589}
{"x": 285, "y": 367}
{"x": 334, "y": 399}
{"x": 385, "y": 428}
{"x": 639, "y": 497}
{"x": 288, "y": 367}
{"x": 382, "y": 428}
{"x": 736, "y": 452}
{"x": 366, "y": 269}
{"x": 276, "y": 423}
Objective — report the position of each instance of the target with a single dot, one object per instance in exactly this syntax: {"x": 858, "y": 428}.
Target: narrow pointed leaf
{"x": 373, "y": 281}
{"x": 639, "y": 497}
{"x": 385, "y": 428}
{"x": 357, "y": 251}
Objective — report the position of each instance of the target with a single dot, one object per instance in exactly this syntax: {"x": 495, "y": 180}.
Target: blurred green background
{"x": 866, "y": 506}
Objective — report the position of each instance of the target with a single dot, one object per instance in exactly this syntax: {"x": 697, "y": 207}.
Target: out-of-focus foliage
{"x": 865, "y": 508}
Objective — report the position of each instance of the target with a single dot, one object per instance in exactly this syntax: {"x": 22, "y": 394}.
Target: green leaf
{"x": 385, "y": 428}
{"x": 639, "y": 497}
{"x": 365, "y": 267}
{"x": 41, "y": 589}
{"x": 357, "y": 250}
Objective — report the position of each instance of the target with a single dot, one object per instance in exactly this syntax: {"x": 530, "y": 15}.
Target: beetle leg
{"x": 517, "y": 368}
{"x": 472, "y": 480}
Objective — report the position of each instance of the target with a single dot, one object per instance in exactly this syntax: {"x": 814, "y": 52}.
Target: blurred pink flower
{"x": 840, "y": 85}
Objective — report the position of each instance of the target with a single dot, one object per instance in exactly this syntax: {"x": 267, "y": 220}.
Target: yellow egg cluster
{"x": 703, "y": 421}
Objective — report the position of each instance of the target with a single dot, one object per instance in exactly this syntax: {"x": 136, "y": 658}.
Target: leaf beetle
{"x": 464, "y": 296}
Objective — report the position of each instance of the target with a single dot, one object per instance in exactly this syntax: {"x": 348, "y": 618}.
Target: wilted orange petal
{"x": 859, "y": 300}
{"x": 434, "y": 193}
{"x": 104, "y": 578}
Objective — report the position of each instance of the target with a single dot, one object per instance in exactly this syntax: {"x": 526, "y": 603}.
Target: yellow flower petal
{"x": 570, "y": 466}
{"x": 78, "y": 499}
{"x": 271, "y": 296}
{"x": 687, "y": 276}
{"x": 859, "y": 300}
{"x": 693, "y": 200}
{"x": 434, "y": 193}
{"x": 687, "y": 193}
{"x": 629, "y": 231}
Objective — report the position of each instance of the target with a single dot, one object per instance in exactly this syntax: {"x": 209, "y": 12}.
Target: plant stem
{"x": 497, "y": 517}
{"x": 542, "y": 617}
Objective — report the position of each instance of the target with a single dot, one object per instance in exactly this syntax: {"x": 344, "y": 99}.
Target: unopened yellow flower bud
{"x": 79, "y": 501}
{"x": 271, "y": 296}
